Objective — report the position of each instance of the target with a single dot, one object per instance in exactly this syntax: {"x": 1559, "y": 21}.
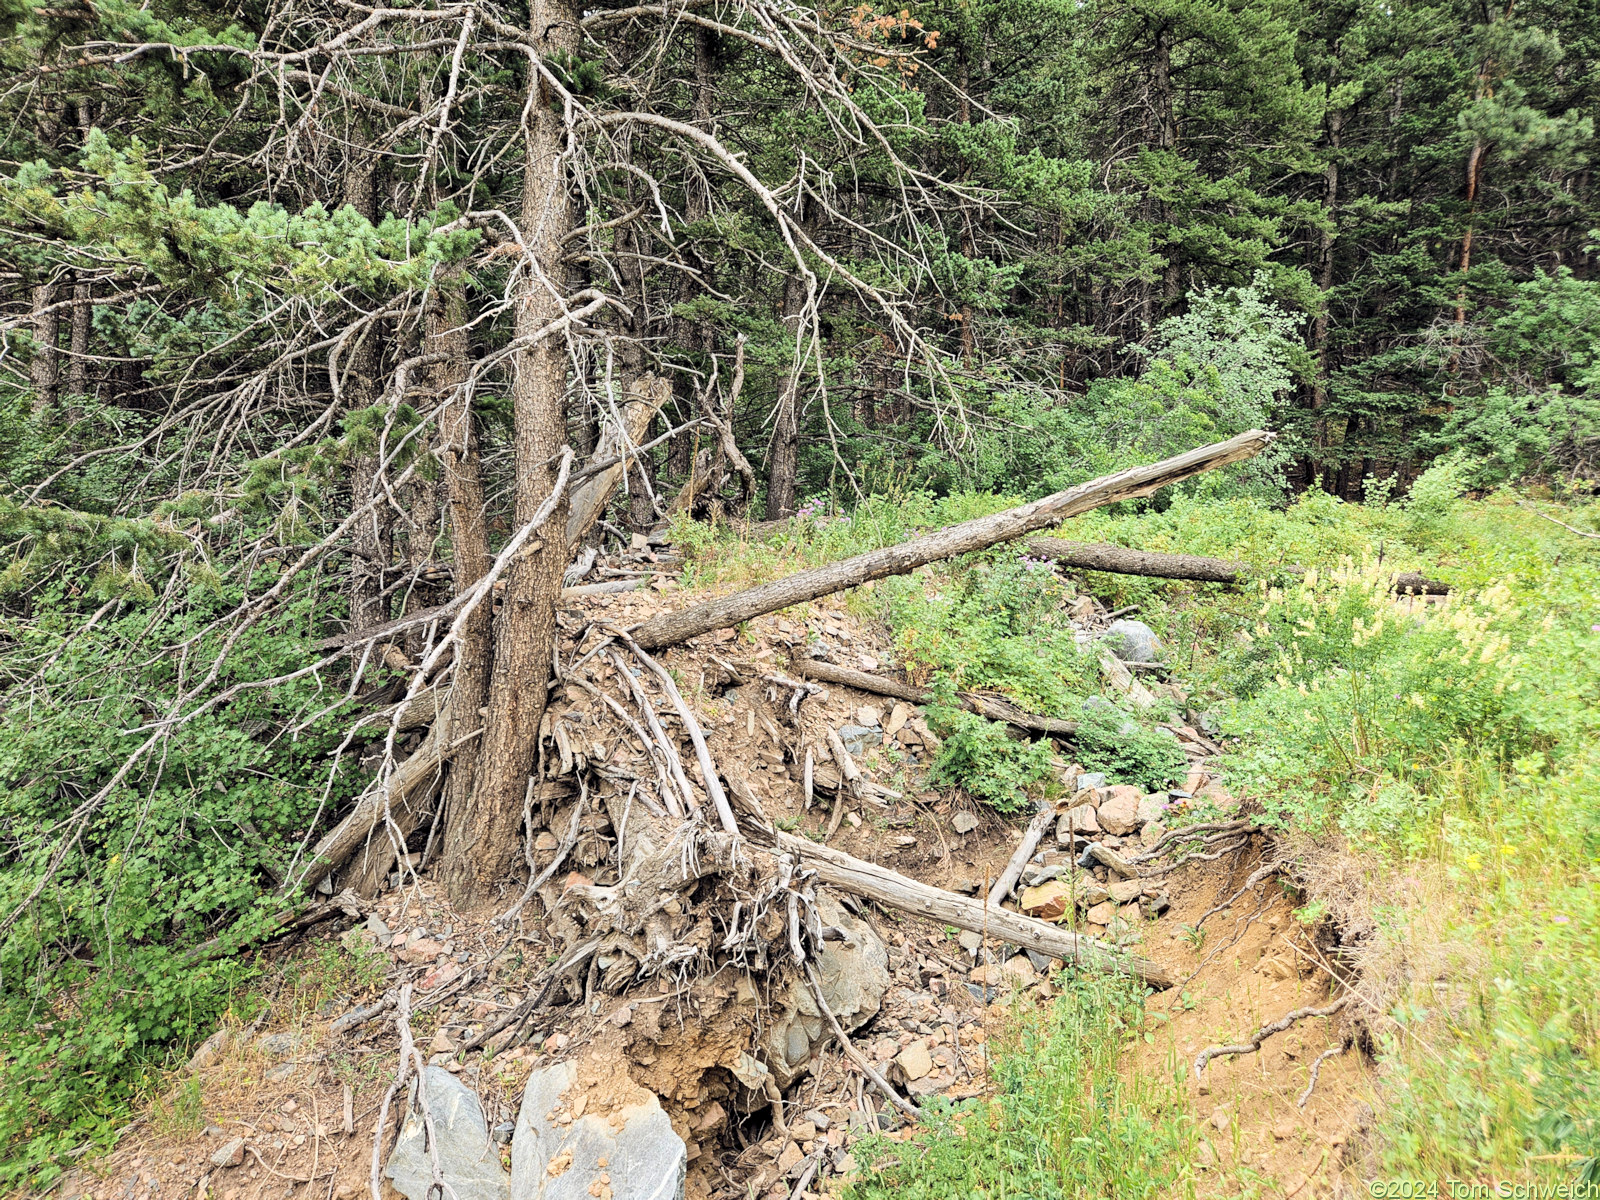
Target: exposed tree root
{"x": 1316, "y": 1069}
{"x": 1266, "y": 1031}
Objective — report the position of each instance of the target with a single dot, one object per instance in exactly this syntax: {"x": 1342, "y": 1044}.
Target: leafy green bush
{"x": 101, "y": 981}
{"x": 1110, "y": 740}
{"x": 982, "y": 756}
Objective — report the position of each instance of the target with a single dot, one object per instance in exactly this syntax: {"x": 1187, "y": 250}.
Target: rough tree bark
{"x": 484, "y": 830}
{"x": 976, "y": 534}
{"x": 469, "y": 543}
{"x": 372, "y": 541}
{"x": 45, "y": 370}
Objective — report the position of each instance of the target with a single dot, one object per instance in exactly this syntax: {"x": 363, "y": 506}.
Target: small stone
{"x": 546, "y": 841}
{"x": 884, "y": 1049}
{"x": 555, "y": 1042}
{"x": 1283, "y": 1130}
{"x": 1151, "y": 834}
{"x": 1019, "y": 971}
{"x": 1049, "y": 901}
{"x": 1091, "y": 892}
{"x": 1095, "y": 853}
{"x": 1079, "y": 819}
{"x": 855, "y": 821}
{"x": 441, "y": 1044}
{"x": 441, "y": 975}
{"x": 378, "y": 929}
{"x": 987, "y": 975}
{"x": 229, "y": 1154}
{"x": 1220, "y": 1119}
{"x": 423, "y": 950}
{"x": 622, "y": 1017}
{"x": 818, "y": 1118}
{"x": 803, "y": 1131}
{"x": 915, "y": 1060}
{"x": 847, "y": 1165}
{"x": 869, "y": 715}
{"x": 1125, "y": 891}
{"x": 970, "y": 941}
{"x": 1119, "y": 811}
{"x": 963, "y": 822}
{"x": 1204, "y": 1155}
{"x": 898, "y": 716}
{"x": 790, "y": 1158}
{"x": 1101, "y": 914}
{"x": 1091, "y": 781}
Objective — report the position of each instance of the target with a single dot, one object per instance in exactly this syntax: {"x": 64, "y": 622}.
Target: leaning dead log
{"x": 421, "y": 770}
{"x": 1123, "y": 560}
{"x": 671, "y": 628}
{"x": 589, "y": 498}
{"x": 985, "y": 706}
{"x": 850, "y": 874}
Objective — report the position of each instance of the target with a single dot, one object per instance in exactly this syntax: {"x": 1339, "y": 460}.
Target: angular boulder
{"x": 1119, "y": 811}
{"x": 467, "y": 1155}
{"x": 560, "y": 1151}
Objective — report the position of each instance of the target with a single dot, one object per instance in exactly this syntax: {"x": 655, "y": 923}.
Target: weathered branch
{"x": 851, "y": 874}
{"x": 1123, "y": 560}
{"x": 992, "y": 707}
{"x": 671, "y": 628}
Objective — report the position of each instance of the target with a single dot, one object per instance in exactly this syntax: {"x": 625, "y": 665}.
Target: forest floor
{"x": 305, "y": 1100}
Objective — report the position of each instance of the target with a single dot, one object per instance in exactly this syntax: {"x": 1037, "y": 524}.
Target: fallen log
{"x": 589, "y": 499}
{"x": 1031, "y": 837}
{"x": 1123, "y": 560}
{"x": 860, "y": 878}
{"x": 673, "y": 627}
{"x": 985, "y": 706}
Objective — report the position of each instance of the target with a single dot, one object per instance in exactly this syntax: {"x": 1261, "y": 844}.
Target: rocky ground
{"x": 597, "y": 1095}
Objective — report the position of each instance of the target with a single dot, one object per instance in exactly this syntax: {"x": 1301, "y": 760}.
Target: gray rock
{"x": 964, "y": 822}
{"x": 229, "y": 1154}
{"x": 1094, "y": 853}
{"x": 378, "y": 929}
{"x": 282, "y": 1045}
{"x": 1134, "y": 641}
{"x": 854, "y": 974}
{"x": 970, "y": 941}
{"x": 1040, "y": 961}
{"x": 467, "y": 1156}
{"x": 858, "y": 739}
{"x": 1091, "y": 779}
{"x": 644, "y": 1158}
{"x": 1091, "y": 892}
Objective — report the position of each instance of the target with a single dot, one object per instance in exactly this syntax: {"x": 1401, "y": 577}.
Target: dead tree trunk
{"x": 1122, "y": 560}
{"x": 469, "y": 542}
{"x": 985, "y": 706}
{"x": 850, "y": 874}
{"x": 45, "y": 371}
{"x": 372, "y": 540}
{"x": 976, "y": 534}
{"x": 783, "y": 465}
{"x": 485, "y": 828}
